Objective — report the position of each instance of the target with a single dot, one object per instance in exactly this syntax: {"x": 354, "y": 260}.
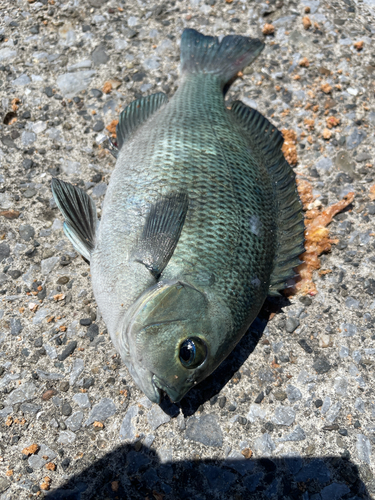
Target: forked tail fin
{"x": 205, "y": 54}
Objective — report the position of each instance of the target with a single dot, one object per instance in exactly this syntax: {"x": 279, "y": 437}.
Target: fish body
{"x": 201, "y": 221}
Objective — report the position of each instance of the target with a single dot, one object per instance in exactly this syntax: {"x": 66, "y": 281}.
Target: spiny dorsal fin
{"x": 79, "y": 212}
{"x": 290, "y": 220}
{"x": 137, "y": 113}
{"x": 162, "y": 231}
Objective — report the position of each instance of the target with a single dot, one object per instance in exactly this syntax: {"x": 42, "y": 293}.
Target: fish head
{"x": 174, "y": 340}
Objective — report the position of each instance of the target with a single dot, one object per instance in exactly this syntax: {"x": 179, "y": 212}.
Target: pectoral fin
{"x": 162, "y": 231}
{"x": 80, "y": 216}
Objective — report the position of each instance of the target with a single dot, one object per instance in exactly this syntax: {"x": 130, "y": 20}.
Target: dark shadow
{"x": 127, "y": 474}
{"x": 213, "y": 384}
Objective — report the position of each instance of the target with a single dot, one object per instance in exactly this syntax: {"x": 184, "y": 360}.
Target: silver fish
{"x": 200, "y": 222}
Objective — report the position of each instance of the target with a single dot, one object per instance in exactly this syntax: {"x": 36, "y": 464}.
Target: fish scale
{"x": 201, "y": 220}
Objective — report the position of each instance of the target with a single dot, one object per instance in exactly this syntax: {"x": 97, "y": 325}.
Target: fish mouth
{"x": 161, "y": 387}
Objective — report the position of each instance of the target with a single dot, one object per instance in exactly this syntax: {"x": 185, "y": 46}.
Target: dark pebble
{"x": 93, "y": 331}
{"x": 343, "y": 432}
{"x": 333, "y": 427}
{"x": 259, "y": 398}
{"x": 88, "y": 382}
{"x": 357, "y": 424}
{"x": 2, "y": 370}
{"x": 14, "y": 274}
{"x": 29, "y": 469}
{"x": 305, "y": 346}
{"x": 48, "y": 91}
{"x": 96, "y": 178}
{"x": 222, "y": 401}
{"x": 85, "y": 322}
{"x": 64, "y": 386}
{"x": 35, "y": 376}
{"x": 63, "y": 280}
{"x": 318, "y": 403}
{"x": 48, "y": 394}
{"x": 96, "y": 93}
{"x": 4, "y": 251}
{"x": 38, "y": 342}
{"x": 99, "y": 126}
{"x": 27, "y": 163}
{"x": 321, "y": 365}
{"x": 138, "y": 77}
{"x": 66, "y": 409}
{"x": 232, "y": 407}
{"x": 269, "y": 426}
{"x": 35, "y": 488}
{"x": 15, "y": 326}
{"x": 35, "y": 29}
{"x": 15, "y": 439}
{"x": 65, "y": 463}
{"x": 242, "y": 420}
{"x": 41, "y": 352}
{"x": 69, "y": 349}
{"x": 306, "y": 301}
{"x": 213, "y": 400}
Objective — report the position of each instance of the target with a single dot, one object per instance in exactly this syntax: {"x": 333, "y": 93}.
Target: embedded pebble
{"x": 156, "y": 417}
{"x": 101, "y": 411}
{"x": 24, "y": 392}
{"x": 128, "y": 430}
{"x": 66, "y": 437}
{"x": 264, "y": 445}
{"x": 74, "y": 421}
{"x": 297, "y": 434}
{"x": 204, "y": 429}
{"x": 82, "y": 400}
{"x": 284, "y": 415}
{"x": 364, "y": 448}
{"x": 291, "y": 324}
{"x": 293, "y": 393}
{"x": 77, "y": 369}
{"x": 70, "y": 84}
{"x": 48, "y": 265}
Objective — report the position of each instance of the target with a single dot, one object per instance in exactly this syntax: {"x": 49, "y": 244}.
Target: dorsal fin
{"x": 290, "y": 218}
{"x": 161, "y": 232}
{"x": 137, "y": 113}
{"x": 80, "y": 216}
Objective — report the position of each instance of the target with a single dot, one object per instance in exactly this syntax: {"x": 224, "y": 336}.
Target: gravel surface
{"x": 290, "y": 414}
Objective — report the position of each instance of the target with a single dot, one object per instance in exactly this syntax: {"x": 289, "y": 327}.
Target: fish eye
{"x": 193, "y": 352}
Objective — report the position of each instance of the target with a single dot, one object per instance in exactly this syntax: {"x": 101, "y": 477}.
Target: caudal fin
{"x": 205, "y": 54}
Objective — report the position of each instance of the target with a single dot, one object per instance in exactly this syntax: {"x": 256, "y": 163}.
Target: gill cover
{"x": 169, "y": 335}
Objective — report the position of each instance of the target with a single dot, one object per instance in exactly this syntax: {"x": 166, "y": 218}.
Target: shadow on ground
{"x": 127, "y": 474}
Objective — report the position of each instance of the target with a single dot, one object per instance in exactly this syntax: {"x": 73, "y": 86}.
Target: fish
{"x": 201, "y": 221}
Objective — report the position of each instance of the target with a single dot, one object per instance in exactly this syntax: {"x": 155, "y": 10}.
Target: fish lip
{"x": 163, "y": 387}
{"x": 157, "y": 391}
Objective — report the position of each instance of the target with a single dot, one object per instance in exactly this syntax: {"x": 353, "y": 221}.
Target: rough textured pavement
{"x": 291, "y": 413}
